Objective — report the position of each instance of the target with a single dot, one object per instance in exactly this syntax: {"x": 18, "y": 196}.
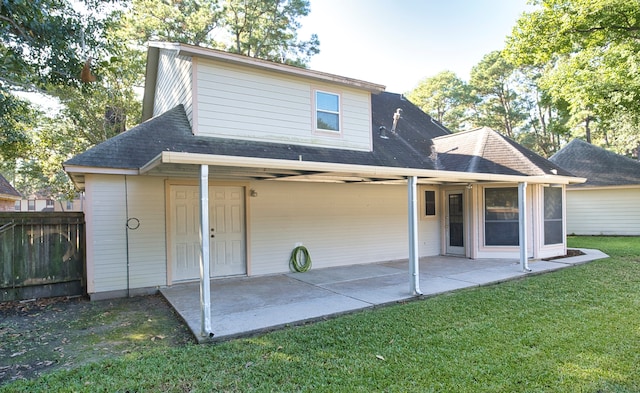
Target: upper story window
{"x": 31, "y": 205}
{"x": 327, "y": 111}
{"x": 17, "y": 206}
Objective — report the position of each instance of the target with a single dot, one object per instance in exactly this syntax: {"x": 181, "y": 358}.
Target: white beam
{"x": 522, "y": 213}
{"x": 205, "y": 290}
{"x": 414, "y": 258}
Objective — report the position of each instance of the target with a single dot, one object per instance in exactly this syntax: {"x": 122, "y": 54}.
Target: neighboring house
{"x": 281, "y": 156}
{"x": 8, "y": 195}
{"x": 608, "y": 203}
{"x": 39, "y": 203}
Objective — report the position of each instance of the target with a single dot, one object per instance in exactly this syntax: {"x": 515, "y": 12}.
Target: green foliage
{"x": 42, "y": 43}
{"x": 16, "y": 116}
{"x": 257, "y": 28}
{"x": 189, "y": 21}
{"x": 589, "y": 52}
{"x": 493, "y": 79}
{"x": 567, "y": 331}
{"x": 45, "y": 44}
{"x": 445, "y": 97}
{"x": 267, "y": 29}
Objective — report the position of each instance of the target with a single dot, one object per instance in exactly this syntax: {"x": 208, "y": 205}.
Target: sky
{"x": 398, "y": 43}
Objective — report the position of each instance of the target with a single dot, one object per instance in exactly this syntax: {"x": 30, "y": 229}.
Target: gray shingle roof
{"x": 171, "y": 131}
{"x": 599, "y": 166}
{"x": 6, "y": 189}
{"x": 411, "y": 146}
{"x": 483, "y": 150}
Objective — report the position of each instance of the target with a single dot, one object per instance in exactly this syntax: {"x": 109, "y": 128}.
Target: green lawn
{"x": 575, "y": 330}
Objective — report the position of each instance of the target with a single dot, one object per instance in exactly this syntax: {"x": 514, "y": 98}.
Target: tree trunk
{"x": 587, "y": 129}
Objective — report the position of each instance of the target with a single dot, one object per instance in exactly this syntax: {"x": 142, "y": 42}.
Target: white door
{"x": 226, "y": 218}
{"x": 227, "y": 232}
{"x": 184, "y": 216}
{"x": 454, "y": 222}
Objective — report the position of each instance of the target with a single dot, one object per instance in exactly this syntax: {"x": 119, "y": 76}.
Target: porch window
{"x": 429, "y": 203}
{"x": 553, "y": 215}
{"x": 501, "y": 220}
{"x": 327, "y": 111}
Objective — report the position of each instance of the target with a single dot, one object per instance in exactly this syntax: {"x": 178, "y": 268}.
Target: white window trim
{"x": 562, "y": 218}
{"x": 484, "y": 218}
{"x": 423, "y": 203}
{"x": 314, "y": 119}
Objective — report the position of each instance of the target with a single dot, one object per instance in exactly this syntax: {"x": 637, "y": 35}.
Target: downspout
{"x": 522, "y": 219}
{"x": 414, "y": 259}
{"x": 205, "y": 290}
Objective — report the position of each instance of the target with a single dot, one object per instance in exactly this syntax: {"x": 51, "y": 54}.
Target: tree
{"x": 264, "y": 29}
{"x": 445, "y": 97}
{"x": 42, "y": 43}
{"x": 547, "y": 120}
{"x": 499, "y": 108}
{"x": 188, "y": 21}
{"x": 267, "y": 29}
{"x": 589, "y": 51}
{"x": 15, "y": 119}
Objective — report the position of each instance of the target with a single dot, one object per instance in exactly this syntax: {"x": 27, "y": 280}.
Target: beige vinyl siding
{"x": 340, "y": 224}
{"x": 105, "y": 216}
{"x": 614, "y": 211}
{"x": 173, "y": 86}
{"x": 147, "y": 244}
{"x": 244, "y": 103}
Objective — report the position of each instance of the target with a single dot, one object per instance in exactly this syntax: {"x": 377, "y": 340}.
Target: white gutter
{"x": 169, "y": 157}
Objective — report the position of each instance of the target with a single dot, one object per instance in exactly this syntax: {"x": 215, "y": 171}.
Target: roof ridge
{"x": 480, "y": 147}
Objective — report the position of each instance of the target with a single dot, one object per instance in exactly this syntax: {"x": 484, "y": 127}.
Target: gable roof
{"x": 599, "y": 166}
{"x": 7, "y": 191}
{"x": 483, "y": 150}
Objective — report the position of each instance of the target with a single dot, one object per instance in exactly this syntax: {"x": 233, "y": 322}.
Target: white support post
{"x": 414, "y": 258}
{"x": 522, "y": 218}
{"x": 205, "y": 290}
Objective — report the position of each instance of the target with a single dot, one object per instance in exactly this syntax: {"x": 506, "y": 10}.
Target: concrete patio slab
{"x": 249, "y": 305}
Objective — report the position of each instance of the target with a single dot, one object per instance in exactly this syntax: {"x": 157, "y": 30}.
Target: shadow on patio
{"x": 249, "y": 305}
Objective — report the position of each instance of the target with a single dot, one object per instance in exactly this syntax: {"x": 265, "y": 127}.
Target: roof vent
{"x": 383, "y": 132}
{"x": 396, "y": 117}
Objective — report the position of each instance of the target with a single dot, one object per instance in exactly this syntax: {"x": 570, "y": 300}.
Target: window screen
{"x": 553, "y": 215}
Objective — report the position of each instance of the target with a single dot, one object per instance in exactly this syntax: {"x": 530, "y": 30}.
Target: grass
{"x": 575, "y": 330}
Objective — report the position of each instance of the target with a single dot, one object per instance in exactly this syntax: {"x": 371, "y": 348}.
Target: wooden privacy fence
{"x": 41, "y": 255}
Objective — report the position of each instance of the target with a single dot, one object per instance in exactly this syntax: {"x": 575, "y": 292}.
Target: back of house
{"x": 289, "y": 157}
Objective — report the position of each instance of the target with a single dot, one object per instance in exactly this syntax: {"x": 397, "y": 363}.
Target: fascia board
{"x": 207, "y": 53}
{"x": 99, "y": 170}
{"x": 168, "y": 157}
